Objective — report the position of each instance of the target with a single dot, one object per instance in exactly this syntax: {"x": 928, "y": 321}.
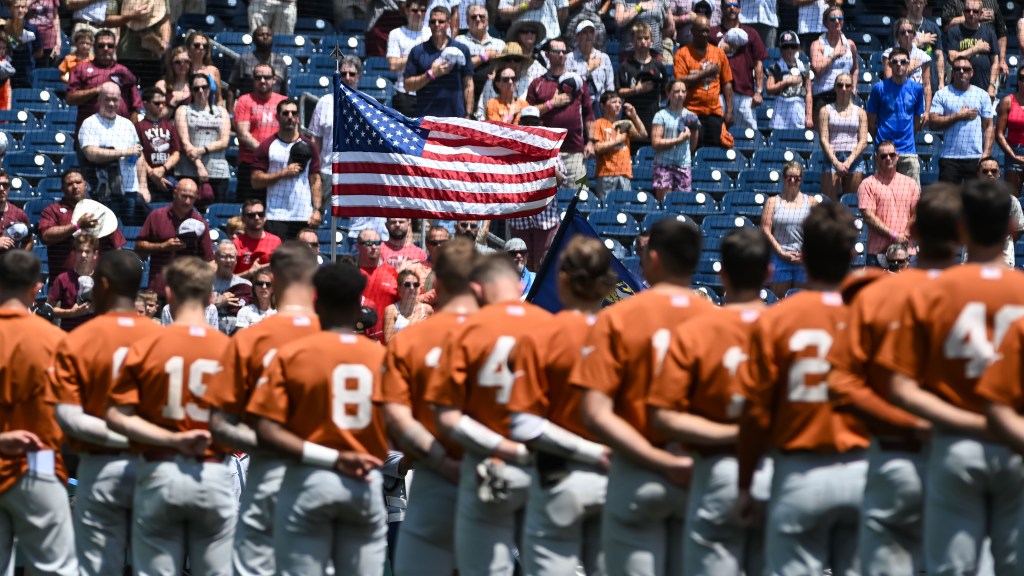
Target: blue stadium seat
{"x": 644, "y": 157}
{"x": 321, "y": 64}
{"x": 237, "y": 41}
{"x": 316, "y": 84}
{"x": 707, "y": 274}
{"x": 637, "y": 203}
{"x": 616, "y": 247}
{"x": 632, "y": 263}
{"x": 650, "y": 220}
{"x": 712, "y": 245}
{"x": 32, "y": 166}
{"x": 351, "y": 27}
{"x": 217, "y": 214}
{"x": 866, "y": 41}
{"x": 226, "y": 10}
{"x": 720, "y": 225}
{"x": 564, "y": 194}
{"x": 850, "y": 201}
{"x": 17, "y": 122}
{"x": 775, "y": 158}
{"x": 131, "y": 233}
{"x": 798, "y": 140}
{"x": 929, "y": 144}
{"x": 615, "y": 224}
{"x": 768, "y": 297}
{"x": 34, "y": 209}
{"x": 749, "y": 204}
{"x": 208, "y": 24}
{"x": 747, "y": 140}
{"x": 763, "y": 179}
{"x": 588, "y": 203}
{"x": 48, "y": 79}
{"x": 36, "y": 101}
{"x": 709, "y": 291}
{"x": 705, "y": 176}
{"x": 696, "y": 205}
{"x": 725, "y": 159}
{"x": 380, "y": 88}
{"x": 811, "y": 184}
{"x": 49, "y": 187}
{"x": 313, "y": 27}
{"x": 49, "y": 142}
{"x": 63, "y": 120}
{"x": 351, "y": 45}
{"x": 378, "y": 65}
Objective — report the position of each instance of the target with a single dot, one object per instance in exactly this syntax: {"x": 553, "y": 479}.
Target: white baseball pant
{"x": 890, "y": 526}
{"x": 102, "y": 513}
{"x": 486, "y": 533}
{"x": 426, "y": 540}
{"x": 36, "y": 511}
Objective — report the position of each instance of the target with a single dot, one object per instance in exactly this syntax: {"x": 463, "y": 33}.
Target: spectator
{"x": 895, "y": 110}
{"x": 84, "y": 84}
{"x": 762, "y": 16}
{"x": 590, "y": 63}
{"x": 381, "y": 277}
{"x": 745, "y": 61}
{"x": 21, "y": 44}
{"x": 538, "y": 231}
{"x": 172, "y": 231}
{"x": 641, "y": 79}
{"x": 482, "y": 46}
{"x": 241, "y": 81}
{"x": 293, "y": 188}
{"x": 565, "y": 104}
{"x": 674, "y": 139}
{"x": 548, "y": 12}
{"x": 928, "y": 37}
{"x": 988, "y": 167}
{"x": 588, "y": 11}
{"x": 811, "y": 17}
{"x": 12, "y": 236}
{"x": 112, "y": 148}
{"x": 177, "y": 72}
{"x": 308, "y": 237}
{"x": 56, "y": 228}
{"x": 277, "y": 15}
{"x": 683, "y": 13}
{"x": 147, "y": 304}
{"x": 886, "y": 200}
{"x": 199, "y": 50}
{"x": 399, "y": 250}
{"x": 516, "y": 249}
{"x": 43, "y": 15}
{"x": 142, "y": 42}
{"x": 255, "y": 121}
{"x": 234, "y": 226}
{"x": 408, "y": 310}
{"x": 530, "y": 35}
{"x": 782, "y": 221}
{"x": 70, "y": 293}
{"x": 611, "y": 144}
{"x": 254, "y": 245}
{"x": 1010, "y": 133}
{"x": 954, "y": 13}
{"x": 526, "y": 70}
{"x": 401, "y": 41}
{"x": 506, "y": 106}
{"x": 436, "y": 236}
{"x": 920, "y": 69}
{"x": 385, "y": 16}
{"x": 654, "y": 13}
{"x": 212, "y": 319}
{"x": 440, "y": 71}
{"x": 160, "y": 144}
{"x": 205, "y": 132}
{"x": 230, "y": 291}
{"x": 705, "y": 69}
{"x": 790, "y": 82}
{"x": 832, "y": 54}
{"x": 82, "y": 53}
{"x": 965, "y": 113}
{"x": 972, "y": 40}
{"x": 843, "y": 129}
{"x": 473, "y": 230}
{"x": 897, "y": 258}
{"x": 262, "y": 304}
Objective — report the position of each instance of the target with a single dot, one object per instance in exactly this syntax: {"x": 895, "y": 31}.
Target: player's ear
{"x": 478, "y": 290}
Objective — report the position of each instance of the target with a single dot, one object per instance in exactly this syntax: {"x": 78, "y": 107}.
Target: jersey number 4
{"x": 495, "y": 373}
{"x": 968, "y": 339}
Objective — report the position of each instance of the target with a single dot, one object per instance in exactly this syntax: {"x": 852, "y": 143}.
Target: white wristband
{"x": 317, "y": 455}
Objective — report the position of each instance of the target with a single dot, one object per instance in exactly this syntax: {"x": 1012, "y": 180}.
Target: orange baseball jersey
{"x": 474, "y": 374}
{"x": 856, "y": 378}
{"x": 27, "y": 344}
{"x": 249, "y": 353}
{"x": 951, "y": 328}
{"x": 699, "y": 374}
{"x": 88, "y": 360}
{"x": 165, "y": 377}
{"x": 542, "y": 362}
{"x": 413, "y": 356}
{"x": 1002, "y": 381}
{"x": 323, "y": 388}
{"x": 626, "y": 346}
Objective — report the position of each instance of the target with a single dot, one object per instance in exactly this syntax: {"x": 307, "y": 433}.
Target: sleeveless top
{"x": 401, "y": 321}
{"x": 204, "y": 130}
{"x": 1015, "y": 123}
{"x": 787, "y": 223}
{"x": 843, "y": 132}
{"x": 844, "y": 63}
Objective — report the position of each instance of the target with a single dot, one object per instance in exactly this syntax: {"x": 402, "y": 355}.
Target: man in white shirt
{"x": 401, "y": 41}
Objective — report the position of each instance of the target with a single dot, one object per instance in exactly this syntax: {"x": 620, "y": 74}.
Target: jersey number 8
{"x": 343, "y": 397}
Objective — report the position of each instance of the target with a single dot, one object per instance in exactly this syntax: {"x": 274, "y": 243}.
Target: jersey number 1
{"x": 175, "y": 370}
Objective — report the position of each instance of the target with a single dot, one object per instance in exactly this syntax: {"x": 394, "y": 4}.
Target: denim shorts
{"x": 1011, "y": 166}
{"x": 786, "y": 271}
{"x": 828, "y": 168}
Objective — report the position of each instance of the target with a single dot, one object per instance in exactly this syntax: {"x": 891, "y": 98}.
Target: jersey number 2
{"x": 799, "y": 391}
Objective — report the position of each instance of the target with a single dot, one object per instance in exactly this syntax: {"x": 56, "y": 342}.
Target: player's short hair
{"x": 85, "y": 240}
{"x": 190, "y": 279}
{"x": 454, "y": 262}
{"x": 149, "y": 93}
{"x": 491, "y": 267}
{"x": 252, "y": 202}
{"x": 746, "y": 254}
{"x": 293, "y": 263}
{"x": 608, "y": 95}
{"x": 678, "y": 244}
{"x": 586, "y": 263}
{"x": 123, "y": 272}
{"x": 287, "y": 102}
{"x": 986, "y": 211}
{"x": 829, "y": 236}
{"x": 19, "y": 270}
{"x": 339, "y": 288}
{"x": 937, "y": 221}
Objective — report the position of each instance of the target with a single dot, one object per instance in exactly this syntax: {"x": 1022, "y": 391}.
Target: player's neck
{"x": 12, "y": 302}
{"x": 189, "y": 314}
{"x": 821, "y": 286}
{"x": 672, "y": 284}
{"x": 461, "y": 304}
{"x": 120, "y": 305}
{"x": 743, "y": 298}
{"x": 296, "y": 300}
{"x": 985, "y": 255}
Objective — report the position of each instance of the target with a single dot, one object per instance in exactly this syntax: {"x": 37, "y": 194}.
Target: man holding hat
{"x": 173, "y": 231}
{"x": 11, "y": 234}
{"x": 516, "y": 249}
{"x": 745, "y": 62}
{"x": 60, "y": 221}
{"x": 438, "y": 69}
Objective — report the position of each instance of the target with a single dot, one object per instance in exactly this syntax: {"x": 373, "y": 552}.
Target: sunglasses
{"x": 963, "y": 69}
{"x": 990, "y": 171}
{"x": 263, "y": 77}
{"x": 287, "y": 113}
{"x": 435, "y": 22}
{"x": 478, "y": 16}
{"x": 553, "y": 51}
{"x": 837, "y": 19}
{"x": 517, "y": 252}
{"x": 199, "y": 45}
{"x": 369, "y": 242}
{"x": 106, "y": 46}
{"x": 435, "y": 242}
{"x": 907, "y": 32}
{"x": 179, "y": 62}
{"x": 888, "y": 155}
{"x": 201, "y": 87}
{"x": 158, "y": 102}
{"x": 471, "y": 225}
{"x": 262, "y": 284}
{"x": 507, "y": 79}
{"x": 900, "y": 62}
{"x": 793, "y": 177}
{"x": 972, "y": 10}
{"x": 418, "y": 10}
{"x": 411, "y": 284}
{"x": 732, "y": 4}
{"x": 844, "y": 85}
{"x": 349, "y": 74}
{"x": 255, "y": 214}
{"x": 898, "y": 261}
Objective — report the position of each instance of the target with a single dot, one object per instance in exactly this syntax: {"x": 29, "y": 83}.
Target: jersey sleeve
{"x": 1001, "y": 381}
{"x": 670, "y": 388}
{"x": 64, "y": 376}
{"x": 394, "y": 382}
{"x": 126, "y": 389}
{"x": 270, "y": 400}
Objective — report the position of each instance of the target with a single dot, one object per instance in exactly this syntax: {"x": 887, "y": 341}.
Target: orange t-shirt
{"x": 413, "y": 356}
{"x": 165, "y": 376}
{"x": 542, "y": 362}
{"x": 88, "y": 360}
{"x": 323, "y": 388}
{"x": 616, "y": 162}
{"x": 951, "y": 328}
{"x": 27, "y": 344}
{"x": 474, "y": 374}
{"x": 249, "y": 353}
{"x": 702, "y": 97}
{"x": 856, "y": 378}
{"x": 699, "y": 374}
{"x": 1002, "y": 381}
{"x": 623, "y": 351}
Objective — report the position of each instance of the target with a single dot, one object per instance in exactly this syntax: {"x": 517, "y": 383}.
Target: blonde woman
{"x": 844, "y": 136}
{"x": 782, "y": 221}
{"x": 199, "y": 50}
{"x": 408, "y": 310}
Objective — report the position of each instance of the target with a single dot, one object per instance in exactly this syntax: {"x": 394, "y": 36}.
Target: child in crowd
{"x": 674, "y": 139}
{"x": 83, "y": 53}
{"x": 789, "y": 80}
{"x": 146, "y": 304}
{"x": 234, "y": 226}
{"x": 71, "y": 292}
{"x": 611, "y": 143}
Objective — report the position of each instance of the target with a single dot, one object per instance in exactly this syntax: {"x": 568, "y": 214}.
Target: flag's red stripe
{"x": 424, "y": 172}
{"x": 344, "y": 211}
{"x": 442, "y": 195}
{"x": 488, "y": 139}
{"x": 545, "y": 133}
{"x": 486, "y": 160}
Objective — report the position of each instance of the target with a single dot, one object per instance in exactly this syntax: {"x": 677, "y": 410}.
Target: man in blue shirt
{"x": 438, "y": 70}
{"x": 965, "y": 112}
{"x": 895, "y": 111}
{"x": 516, "y": 248}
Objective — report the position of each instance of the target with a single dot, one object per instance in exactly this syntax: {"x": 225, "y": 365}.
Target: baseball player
{"x": 948, "y": 335}
{"x": 696, "y": 400}
{"x": 890, "y": 532}
{"x": 563, "y": 514}
{"x": 642, "y": 521}
{"x": 318, "y": 409}
{"x": 819, "y": 465}
{"x": 427, "y": 543}
{"x": 470, "y": 391}
{"x": 183, "y": 491}
{"x": 33, "y": 502}
{"x": 248, "y": 353}
{"x": 85, "y": 367}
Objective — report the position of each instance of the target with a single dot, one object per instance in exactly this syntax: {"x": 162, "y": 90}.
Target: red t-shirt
{"x": 262, "y": 119}
{"x": 252, "y": 250}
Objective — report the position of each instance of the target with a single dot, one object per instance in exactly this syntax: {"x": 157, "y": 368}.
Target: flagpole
{"x": 337, "y": 56}
{"x": 570, "y": 213}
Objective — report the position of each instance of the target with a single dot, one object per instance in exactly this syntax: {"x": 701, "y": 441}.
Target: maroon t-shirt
{"x": 59, "y": 254}
{"x": 64, "y": 291}
{"x": 161, "y": 225}
{"x": 89, "y": 75}
{"x": 573, "y": 117}
{"x": 743, "y": 61}
{"x": 159, "y": 140}
{"x": 11, "y": 215}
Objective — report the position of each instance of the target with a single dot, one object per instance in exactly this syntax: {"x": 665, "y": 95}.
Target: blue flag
{"x": 545, "y": 288}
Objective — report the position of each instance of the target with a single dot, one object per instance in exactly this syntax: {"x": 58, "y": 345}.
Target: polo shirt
{"x": 162, "y": 224}
{"x": 443, "y": 95}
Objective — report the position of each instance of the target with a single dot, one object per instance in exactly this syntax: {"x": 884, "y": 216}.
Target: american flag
{"x": 388, "y": 165}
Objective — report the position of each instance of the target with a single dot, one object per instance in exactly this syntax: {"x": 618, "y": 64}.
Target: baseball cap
{"x": 515, "y": 244}
{"x": 583, "y": 25}
{"x": 737, "y": 37}
{"x": 703, "y": 7}
{"x": 530, "y": 112}
{"x": 789, "y": 38}
{"x": 570, "y": 83}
